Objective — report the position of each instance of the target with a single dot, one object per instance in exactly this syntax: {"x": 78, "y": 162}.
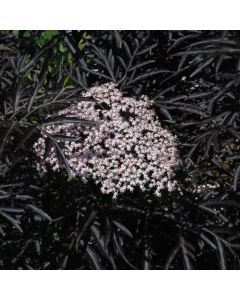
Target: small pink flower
{"x": 128, "y": 148}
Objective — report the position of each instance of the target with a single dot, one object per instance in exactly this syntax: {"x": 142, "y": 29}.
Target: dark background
{"x": 54, "y": 223}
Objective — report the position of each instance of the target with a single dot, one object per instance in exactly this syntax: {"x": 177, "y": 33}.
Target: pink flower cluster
{"x": 127, "y": 149}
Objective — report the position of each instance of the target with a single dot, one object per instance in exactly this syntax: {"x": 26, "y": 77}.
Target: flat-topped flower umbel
{"x": 126, "y": 149}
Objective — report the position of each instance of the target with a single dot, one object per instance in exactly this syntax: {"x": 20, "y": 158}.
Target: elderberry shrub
{"x": 170, "y": 159}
